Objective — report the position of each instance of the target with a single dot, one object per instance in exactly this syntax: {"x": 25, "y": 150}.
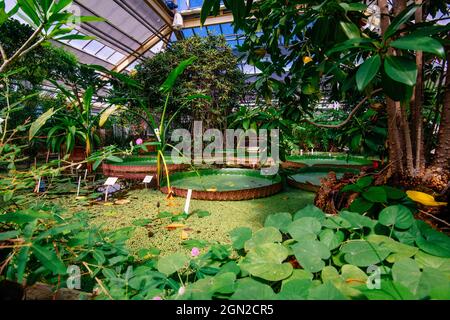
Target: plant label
{"x": 110, "y": 181}
{"x": 188, "y": 201}
{"x": 157, "y": 134}
{"x": 79, "y": 185}
{"x": 78, "y": 167}
{"x": 148, "y": 179}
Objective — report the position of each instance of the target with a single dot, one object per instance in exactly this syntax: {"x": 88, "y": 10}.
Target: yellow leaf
{"x": 307, "y": 59}
{"x": 106, "y": 113}
{"x": 423, "y": 198}
{"x": 184, "y": 235}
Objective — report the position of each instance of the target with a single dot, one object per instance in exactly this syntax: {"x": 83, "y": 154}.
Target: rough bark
{"x": 442, "y": 158}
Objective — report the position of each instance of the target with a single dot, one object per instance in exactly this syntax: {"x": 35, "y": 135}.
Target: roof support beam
{"x": 161, "y": 10}
{"x": 195, "y": 22}
{"x": 147, "y": 45}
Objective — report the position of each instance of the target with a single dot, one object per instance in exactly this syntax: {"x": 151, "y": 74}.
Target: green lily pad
{"x": 172, "y": 263}
{"x": 331, "y": 238}
{"x": 398, "y": 216}
{"x": 239, "y": 236}
{"x": 310, "y": 211}
{"x": 249, "y": 289}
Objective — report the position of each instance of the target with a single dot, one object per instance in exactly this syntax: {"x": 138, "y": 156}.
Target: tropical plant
{"x": 355, "y": 63}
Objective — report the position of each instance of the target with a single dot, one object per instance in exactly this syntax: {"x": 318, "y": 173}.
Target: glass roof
{"x": 137, "y": 29}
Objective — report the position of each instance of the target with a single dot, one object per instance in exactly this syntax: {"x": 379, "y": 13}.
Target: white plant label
{"x": 188, "y": 201}
{"x": 157, "y": 135}
{"x": 110, "y": 181}
{"x": 79, "y": 185}
{"x": 78, "y": 167}
{"x": 148, "y": 179}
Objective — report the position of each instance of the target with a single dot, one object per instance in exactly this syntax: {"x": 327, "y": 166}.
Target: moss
{"x": 225, "y": 216}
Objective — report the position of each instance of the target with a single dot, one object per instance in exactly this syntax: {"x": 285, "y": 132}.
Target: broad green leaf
{"x": 39, "y": 122}
{"x": 360, "y": 205}
{"x": 224, "y": 283}
{"x": 367, "y": 71}
{"x": 172, "y": 263}
{"x": 310, "y": 254}
{"x": 49, "y": 259}
{"x": 407, "y": 272}
{"x": 357, "y": 220}
{"x": 375, "y": 194}
{"x": 400, "y": 250}
{"x": 389, "y": 290}
{"x": 353, "y": 275}
{"x": 433, "y": 282}
{"x": 432, "y": 241}
{"x": 363, "y": 253}
{"x": 350, "y": 29}
{"x": 394, "y": 193}
{"x": 23, "y": 255}
{"x": 297, "y": 289}
{"x": 326, "y": 291}
{"x": 401, "y": 69}
{"x": 331, "y": 238}
{"x": 249, "y": 289}
{"x": 280, "y": 220}
{"x": 265, "y": 261}
{"x": 264, "y": 235}
{"x": 336, "y": 222}
{"x": 239, "y": 236}
{"x": 427, "y": 260}
{"x": 304, "y": 228}
{"x": 419, "y": 43}
{"x": 397, "y": 215}
{"x": 310, "y": 211}
{"x": 364, "y": 182}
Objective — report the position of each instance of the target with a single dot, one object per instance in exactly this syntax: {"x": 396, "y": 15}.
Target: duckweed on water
{"x": 224, "y": 216}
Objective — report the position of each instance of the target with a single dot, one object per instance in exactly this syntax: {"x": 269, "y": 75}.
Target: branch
{"x": 3, "y": 53}
{"x": 350, "y": 116}
{"x": 22, "y": 49}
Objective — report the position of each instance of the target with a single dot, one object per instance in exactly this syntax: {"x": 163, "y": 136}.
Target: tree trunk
{"x": 416, "y": 107}
{"x": 442, "y": 158}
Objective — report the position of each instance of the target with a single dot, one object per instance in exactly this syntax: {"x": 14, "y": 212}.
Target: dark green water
{"x": 225, "y": 182}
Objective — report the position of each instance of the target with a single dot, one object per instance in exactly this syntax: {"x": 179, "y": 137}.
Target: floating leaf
{"x": 310, "y": 211}
{"x": 264, "y": 235}
{"x": 306, "y": 227}
{"x": 249, "y": 289}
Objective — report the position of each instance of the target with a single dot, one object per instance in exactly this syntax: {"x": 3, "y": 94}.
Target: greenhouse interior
{"x": 224, "y": 150}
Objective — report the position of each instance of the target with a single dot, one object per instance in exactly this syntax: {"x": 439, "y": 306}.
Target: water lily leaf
{"x": 336, "y": 222}
{"x": 363, "y": 253}
{"x": 433, "y": 284}
{"x": 427, "y": 260}
{"x": 304, "y": 228}
{"x": 280, "y": 220}
{"x": 389, "y": 290}
{"x": 310, "y": 254}
{"x": 400, "y": 249}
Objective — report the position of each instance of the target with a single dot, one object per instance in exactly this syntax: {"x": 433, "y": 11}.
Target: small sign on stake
{"x": 147, "y": 180}
{"x": 109, "y": 182}
{"x": 188, "y": 201}
{"x": 79, "y": 185}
